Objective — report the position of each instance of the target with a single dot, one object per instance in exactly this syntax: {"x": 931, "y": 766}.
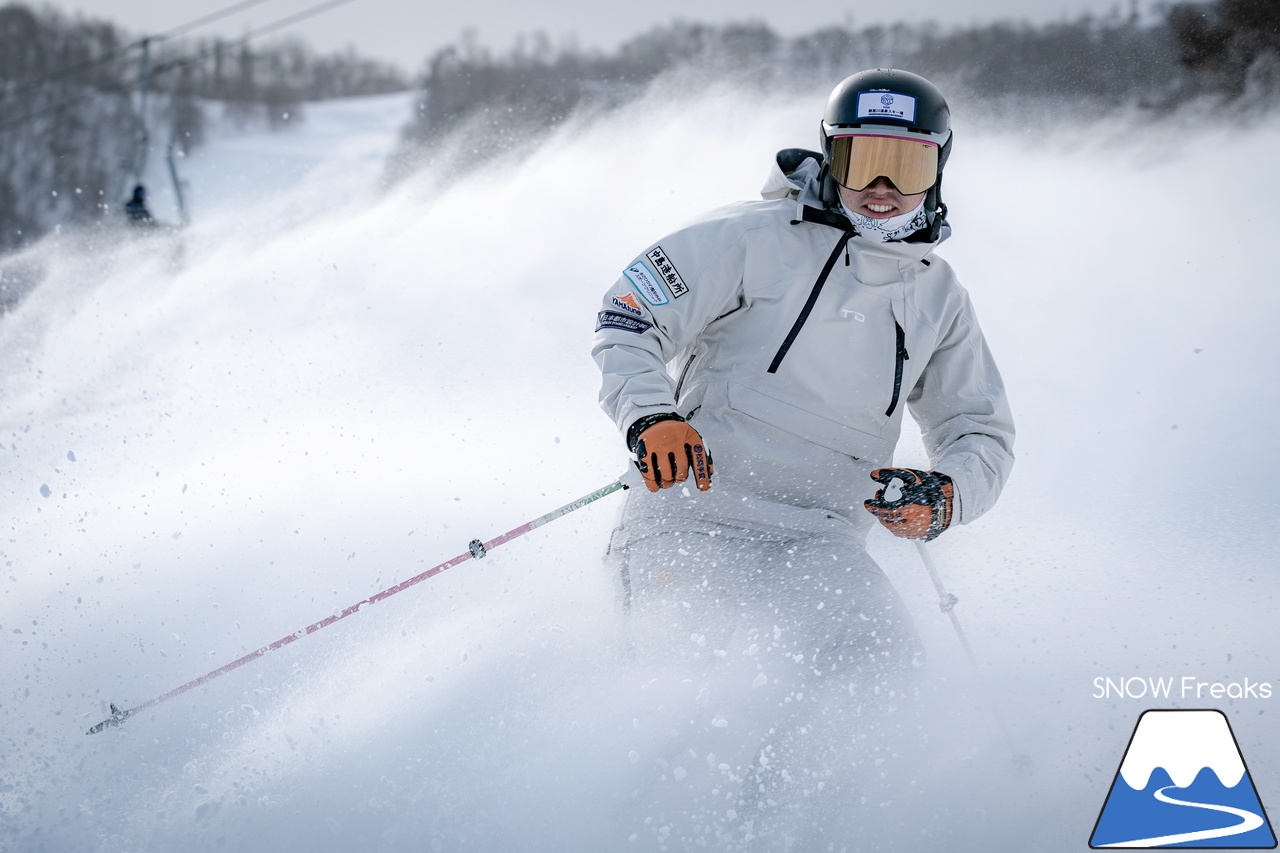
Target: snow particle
{"x": 45, "y": 491}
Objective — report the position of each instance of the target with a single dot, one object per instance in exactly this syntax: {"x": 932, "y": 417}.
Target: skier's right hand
{"x": 668, "y": 450}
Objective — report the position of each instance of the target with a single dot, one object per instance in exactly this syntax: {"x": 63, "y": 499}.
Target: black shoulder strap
{"x": 824, "y": 217}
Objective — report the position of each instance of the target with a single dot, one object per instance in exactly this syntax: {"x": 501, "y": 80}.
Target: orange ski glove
{"x": 922, "y": 510}
{"x": 667, "y": 449}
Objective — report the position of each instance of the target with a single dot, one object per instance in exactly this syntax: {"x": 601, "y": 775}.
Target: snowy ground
{"x": 321, "y": 390}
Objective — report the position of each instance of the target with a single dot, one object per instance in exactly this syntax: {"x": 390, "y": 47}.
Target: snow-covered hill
{"x": 321, "y": 389}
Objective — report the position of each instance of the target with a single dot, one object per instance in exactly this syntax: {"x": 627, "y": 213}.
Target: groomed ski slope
{"x": 329, "y": 388}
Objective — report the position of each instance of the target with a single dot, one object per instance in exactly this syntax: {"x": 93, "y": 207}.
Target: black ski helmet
{"x": 889, "y": 102}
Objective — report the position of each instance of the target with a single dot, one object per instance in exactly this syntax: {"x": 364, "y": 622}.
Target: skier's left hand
{"x": 922, "y": 510}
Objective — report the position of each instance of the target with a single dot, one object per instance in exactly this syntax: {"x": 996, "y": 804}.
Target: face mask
{"x": 893, "y": 228}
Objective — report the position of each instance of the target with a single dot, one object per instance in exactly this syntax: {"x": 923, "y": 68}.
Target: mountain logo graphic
{"x": 1183, "y": 783}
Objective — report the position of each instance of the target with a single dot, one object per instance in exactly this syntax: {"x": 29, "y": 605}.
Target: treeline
{"x": 270, "y": 81}
{"x": 1228, "y": 47}
{"x": 66, "y": 122}
{"x": 72, "y": 137}
{"x": 1231, "y": 46}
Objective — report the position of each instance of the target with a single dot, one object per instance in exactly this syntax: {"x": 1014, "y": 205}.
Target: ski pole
{"x": 475, "y": 550}
{"x": 947, "y": 604}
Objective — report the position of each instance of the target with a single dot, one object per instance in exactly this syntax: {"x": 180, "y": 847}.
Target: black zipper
{"x": 680, "y": 384}
{"x": 897, "y": 367}
{"x": 808, "y": 305}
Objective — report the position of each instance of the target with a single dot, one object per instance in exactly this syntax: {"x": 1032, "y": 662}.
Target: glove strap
{"x": 942, "y": 509}
{"x": 633, "y": 432}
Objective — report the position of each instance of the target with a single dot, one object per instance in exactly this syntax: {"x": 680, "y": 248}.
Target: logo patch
{"x": 667, "y": 272}
{"x": 892, "y": 105}
{"x": 627, "y": 303}
{"x": 646, "y": 283}
{"x": 614, "y": 320}
{"x": 1182, "y": 783}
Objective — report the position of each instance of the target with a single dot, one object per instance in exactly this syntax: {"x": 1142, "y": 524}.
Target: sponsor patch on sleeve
{"x": 627, "y": 304}
{"x": 667, "y": 272}
{"x": 614, "y": 320}
{"x": 646, "y": 283}
{"x": 886, "y": 105}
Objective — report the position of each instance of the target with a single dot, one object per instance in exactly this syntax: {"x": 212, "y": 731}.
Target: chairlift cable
{"x": 258, "y": 32}
{"x": 180, "y": 30}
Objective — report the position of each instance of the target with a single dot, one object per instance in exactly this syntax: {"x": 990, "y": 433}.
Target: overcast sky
{"x": 406, "y": 32}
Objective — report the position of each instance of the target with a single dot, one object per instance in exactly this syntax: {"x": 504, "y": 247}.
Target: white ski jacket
{"x": 794, "y": 346}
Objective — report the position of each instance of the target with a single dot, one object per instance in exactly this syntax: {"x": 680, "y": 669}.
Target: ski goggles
{"x": 911, "y": 164}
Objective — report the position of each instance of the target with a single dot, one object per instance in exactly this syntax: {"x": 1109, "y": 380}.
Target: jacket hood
{"x": 797, "y": 173}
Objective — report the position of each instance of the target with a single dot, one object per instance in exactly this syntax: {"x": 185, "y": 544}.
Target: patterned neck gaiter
{"x": 887, "y": 230}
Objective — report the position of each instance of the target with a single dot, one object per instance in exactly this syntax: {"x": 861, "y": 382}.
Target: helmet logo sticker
{"x": 890, "y": 105}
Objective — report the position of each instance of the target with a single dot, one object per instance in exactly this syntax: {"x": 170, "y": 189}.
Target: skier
{"x": 765, "y": 354}
{"x": 135, "y": 209}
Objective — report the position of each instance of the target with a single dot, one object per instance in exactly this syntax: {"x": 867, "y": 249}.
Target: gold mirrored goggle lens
{"x": 856, "y": 162}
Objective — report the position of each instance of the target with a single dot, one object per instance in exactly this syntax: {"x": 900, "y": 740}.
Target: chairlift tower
{"x": 144, "y": 137}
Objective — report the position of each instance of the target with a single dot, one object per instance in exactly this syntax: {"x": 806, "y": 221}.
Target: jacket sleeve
{"x": 655, "y": 311}
{"x": 964, "y": 415}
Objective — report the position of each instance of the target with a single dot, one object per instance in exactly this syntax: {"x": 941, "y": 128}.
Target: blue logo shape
{"x": 887, "y": 100}
{"x": 1183, "y": 783}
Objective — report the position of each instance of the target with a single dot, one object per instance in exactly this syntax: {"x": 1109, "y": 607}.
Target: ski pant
{"x": 798, "y": 656}
{"x": 820, "y": 596}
